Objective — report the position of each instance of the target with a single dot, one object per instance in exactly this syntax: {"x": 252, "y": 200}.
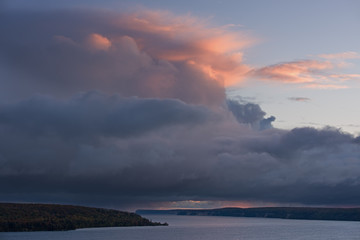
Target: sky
{"x": 191, "y": 104}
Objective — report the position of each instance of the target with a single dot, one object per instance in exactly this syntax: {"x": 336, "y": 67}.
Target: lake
{"x": 207, "y": 228}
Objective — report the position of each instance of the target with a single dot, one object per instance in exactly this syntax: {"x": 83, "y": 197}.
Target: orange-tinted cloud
{"x": 310, "y": 73}
{"x": 345, "y": 77}
{"x": 325, "y": 86}
{"x": 97, "y": 42}
{"x": 144, "y": 54}
{"x": 216, "y": 51}
{"x": 305, "y": 71}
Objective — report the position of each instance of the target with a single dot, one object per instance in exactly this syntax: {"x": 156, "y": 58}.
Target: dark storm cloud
{"x": 250, "y": 113}
{"x": 95, "y": 114}
{"x": 215, "y": 160}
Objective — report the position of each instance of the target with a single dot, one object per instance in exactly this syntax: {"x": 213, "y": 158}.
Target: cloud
{"x": 307, "y": 73}
{"x": 341, "y": 56}
{"x": 294, "y": 72}
{"x": 299, "y": 99}
{"x": 144, "y": 53}
{"x": 251, "y": 114}
{"x": 158, "y": 127}
{"x": 346, "y": 77}
{"x": 104, "y": 150}
{"x": 325, "y": 86}
{"x": 214, "y": 161}
{"x": 97, "y": 42}
{"x": 94, "y": 115}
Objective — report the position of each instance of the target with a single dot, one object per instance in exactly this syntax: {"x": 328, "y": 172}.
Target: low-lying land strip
{"x": 16, "y": 217}
{"x": 339, "y": 214}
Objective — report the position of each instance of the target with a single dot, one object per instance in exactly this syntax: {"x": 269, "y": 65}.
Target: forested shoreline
{"x": 16, "y": 217}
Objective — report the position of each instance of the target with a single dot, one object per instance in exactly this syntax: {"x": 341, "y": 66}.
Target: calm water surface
{"x": 207, "y": 228}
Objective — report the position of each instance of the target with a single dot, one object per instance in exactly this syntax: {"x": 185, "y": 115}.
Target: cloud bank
{"x": 129, "y": 110}
{"x": 145, "y": 54}
{"x": 120, "y": 159}
{"x": 94, "y": 114}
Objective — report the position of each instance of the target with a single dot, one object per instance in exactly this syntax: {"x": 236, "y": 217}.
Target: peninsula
{"x": 16, "y": 217}
{"x": 306, "y": 213}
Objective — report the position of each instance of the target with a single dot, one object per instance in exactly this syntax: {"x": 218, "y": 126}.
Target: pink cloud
{"x": 98, "y": 42}
{"x": 345, "y": 77}
{"x": 215, "y": 51}
{"x": 308, "y": 73}
{"x": 145, "y": 54}
{"x": 325, "y": 86}
{"x": 343, "y": 55}
{"x": 305, "y": 71}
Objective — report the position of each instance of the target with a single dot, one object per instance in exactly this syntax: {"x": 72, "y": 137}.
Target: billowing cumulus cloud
{"x": 147, "y": 54}
{"x": 97, "y": 42}
{"x": 129, "y": 110}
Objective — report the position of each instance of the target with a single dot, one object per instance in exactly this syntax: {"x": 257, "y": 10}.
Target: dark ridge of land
{"x": 16, "y": 217}
{"x": 305, "y": 213}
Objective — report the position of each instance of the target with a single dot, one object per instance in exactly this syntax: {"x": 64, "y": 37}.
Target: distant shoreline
{"x": 16, "y": 217}
{"x": 305, "y": 213}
